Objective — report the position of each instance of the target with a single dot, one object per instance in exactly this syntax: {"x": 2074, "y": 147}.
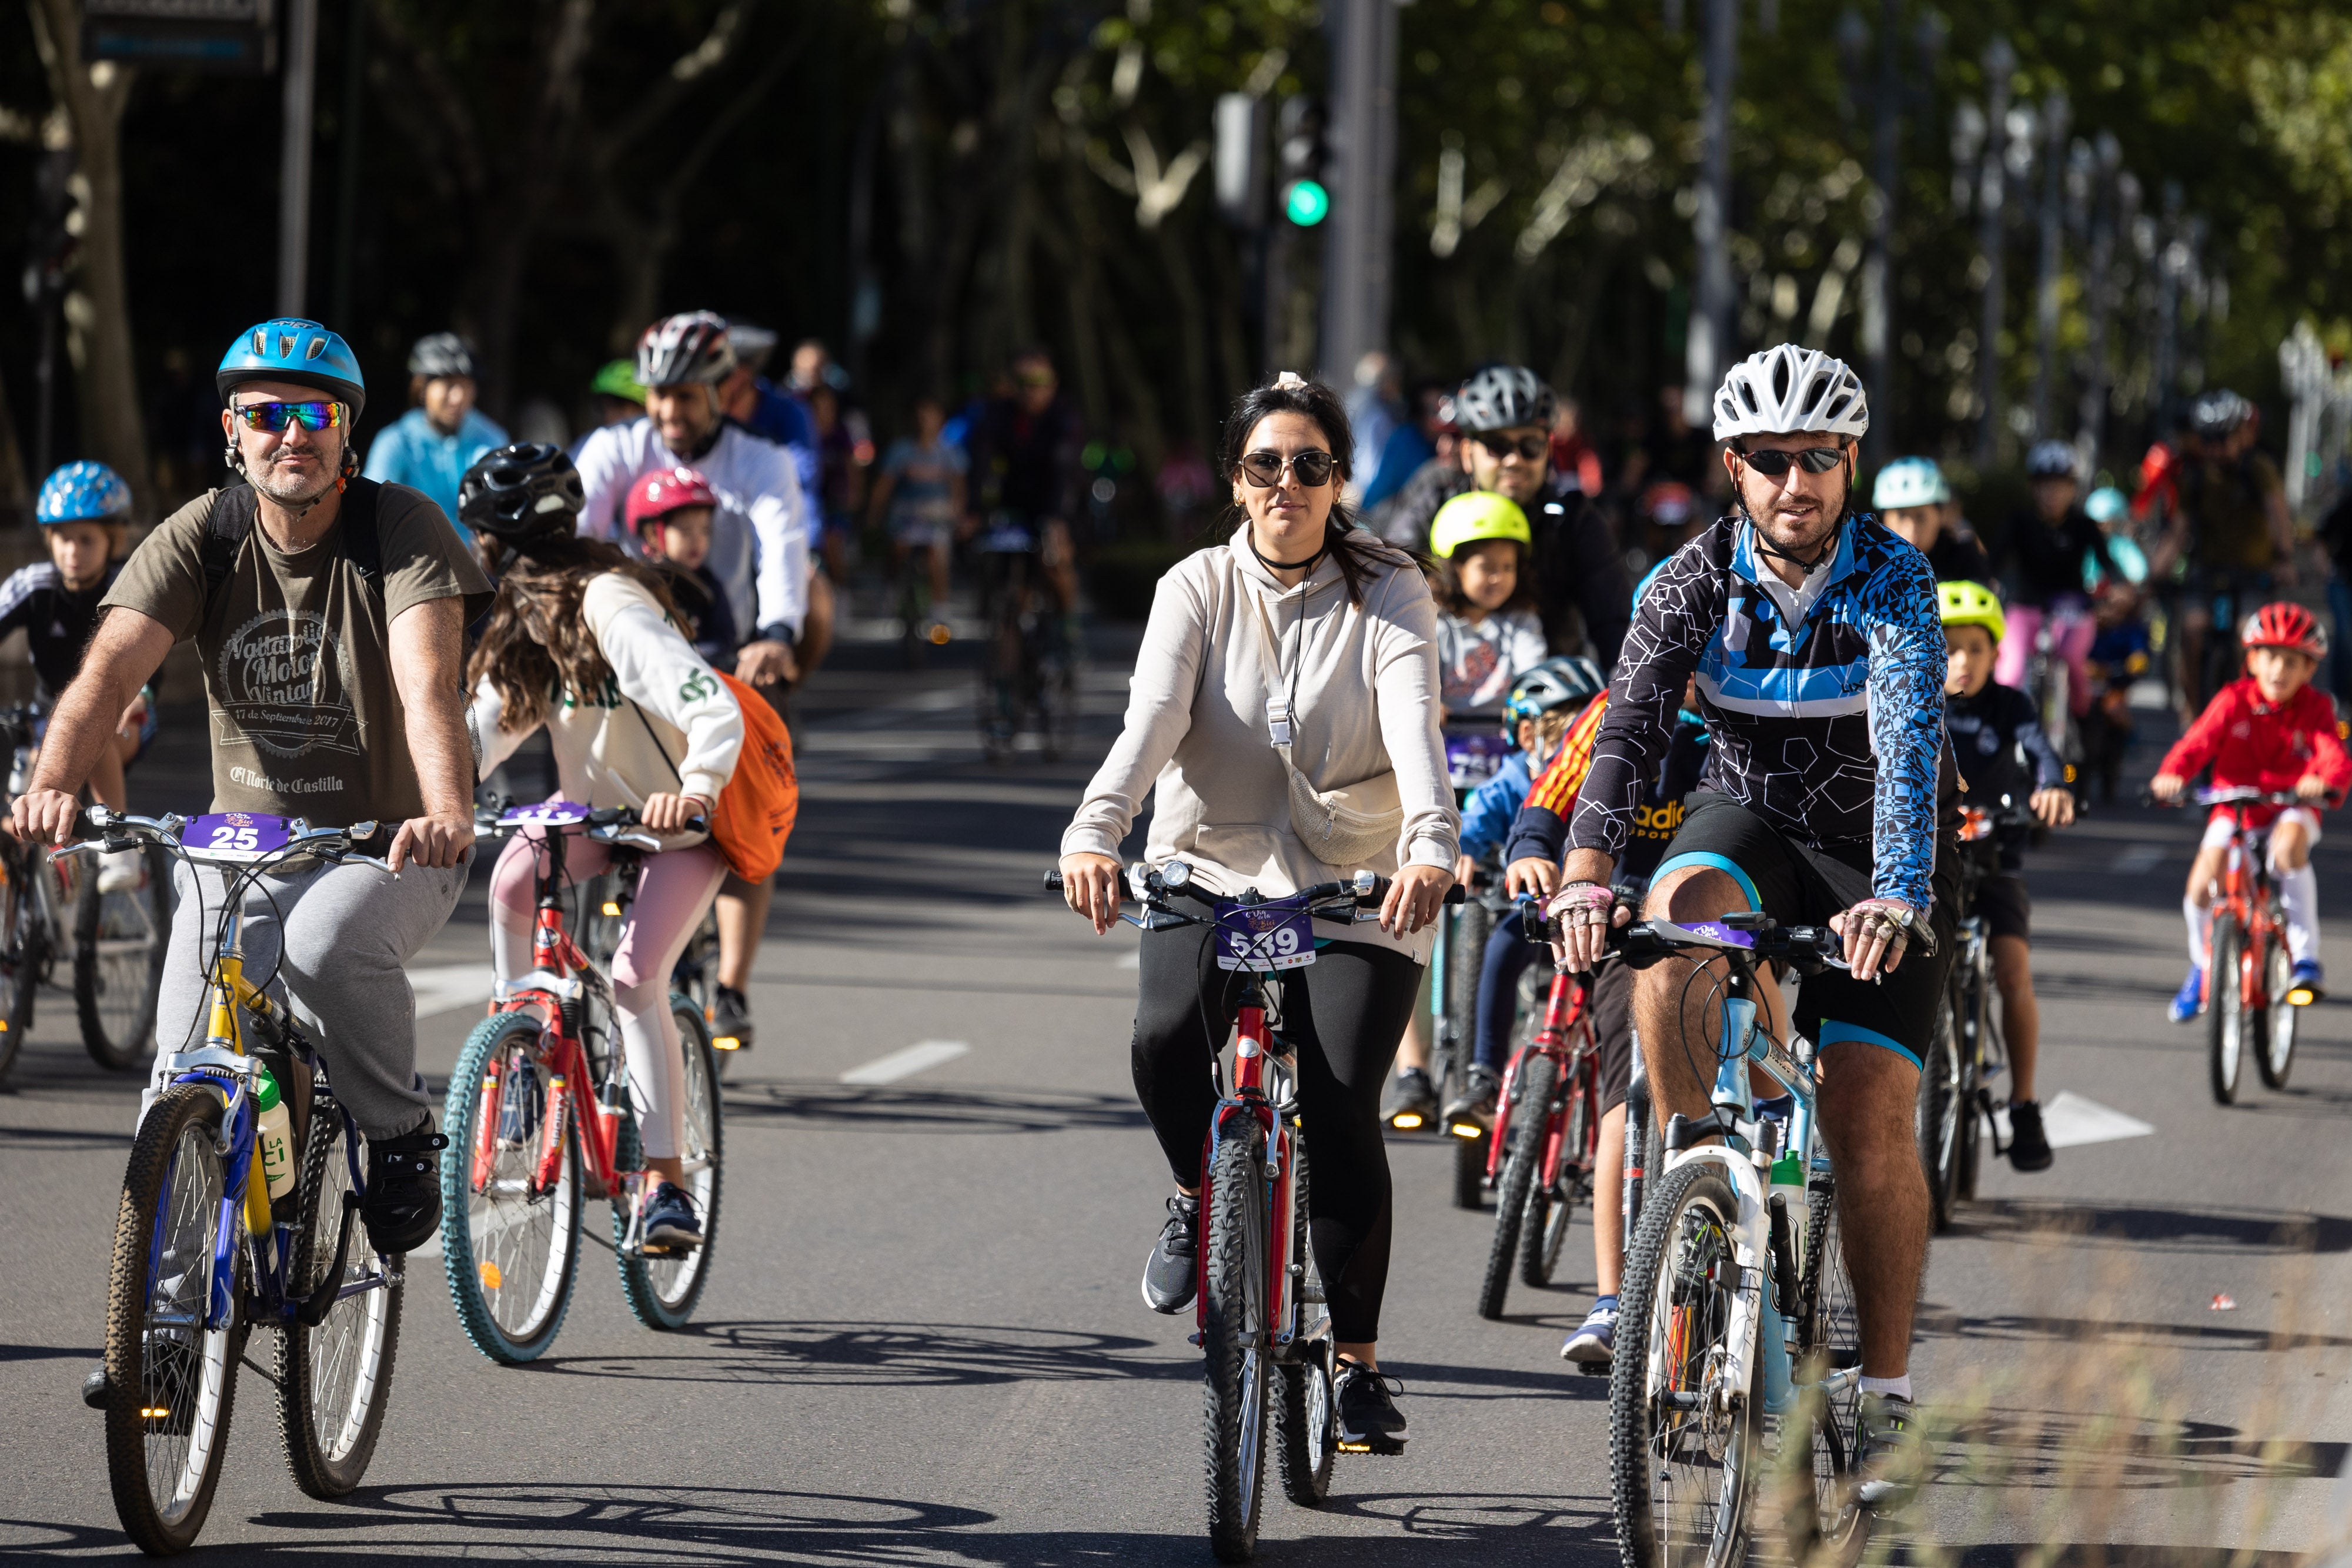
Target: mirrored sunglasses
{"x": 1264, "y": 469}
{"x": 279, "y": 415}
{"x": 1813, "y": 460}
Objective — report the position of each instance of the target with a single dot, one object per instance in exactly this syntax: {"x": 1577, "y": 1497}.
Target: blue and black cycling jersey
{"x": 57, "y": 622}
{"x": 1825, "y": 701}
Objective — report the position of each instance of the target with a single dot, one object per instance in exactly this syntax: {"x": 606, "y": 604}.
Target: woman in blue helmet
{"x": 84, "y": 510}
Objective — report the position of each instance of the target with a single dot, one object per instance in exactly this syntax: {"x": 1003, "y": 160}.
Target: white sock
{"x": 2299, "y": 890}
{"x": 1899, "y": 1386}
{"x": 2195, "y": 917}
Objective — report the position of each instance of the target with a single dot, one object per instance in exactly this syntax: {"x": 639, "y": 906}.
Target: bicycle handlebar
{"x": 605, "y": 824}
{"x": 1365, "y": 890}
{"x": 98, "y": 830}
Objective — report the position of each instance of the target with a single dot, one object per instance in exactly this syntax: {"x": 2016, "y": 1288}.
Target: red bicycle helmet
{"x": 2284, "y": 625}
{"x": 668, "y": 490}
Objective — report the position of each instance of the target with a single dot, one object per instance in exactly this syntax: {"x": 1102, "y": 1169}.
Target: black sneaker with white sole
{"x": 670, "y": 1221}
{"x": 1172, "y": 1275}
{"x": 1482, "y": 1087}
{"x": 1370, "y": 1422}
{"x": 402, "y": 1208}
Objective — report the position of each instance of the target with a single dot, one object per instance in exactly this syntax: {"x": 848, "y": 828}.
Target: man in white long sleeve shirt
{"x": 759, "y": 549}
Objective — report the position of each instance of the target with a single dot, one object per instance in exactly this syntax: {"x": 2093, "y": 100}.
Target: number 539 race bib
{"x": 1254, "y": 937}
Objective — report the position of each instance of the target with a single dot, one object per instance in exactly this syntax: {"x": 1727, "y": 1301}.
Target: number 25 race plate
{"x": 235, "y": 836}
{"x": 1262, "y": 939}
{"x": 546, "y": 814}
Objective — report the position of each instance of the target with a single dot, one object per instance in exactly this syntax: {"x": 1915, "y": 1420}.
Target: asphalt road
{"x": 922, "y": 1341}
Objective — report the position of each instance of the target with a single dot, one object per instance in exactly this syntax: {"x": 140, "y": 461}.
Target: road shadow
{"x": 2080, "y": 1452}
{"x": 890, "y": 1355}
{"x": 857, "y": 1108}
{"x": 2025, "y": 1328}
{"x": 2203, "y": 1229}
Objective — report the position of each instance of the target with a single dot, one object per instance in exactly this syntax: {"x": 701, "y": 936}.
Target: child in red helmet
{"x": 2267, "y": 730}
{"x": 670, "y": 511}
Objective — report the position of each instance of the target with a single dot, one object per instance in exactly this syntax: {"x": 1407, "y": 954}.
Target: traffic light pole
{"x": 1361, "y": 227}
{"x": 294, "y": 165}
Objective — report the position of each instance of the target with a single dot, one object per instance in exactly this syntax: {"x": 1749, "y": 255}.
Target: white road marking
{"x": 446, "y": 988}
{"x": 2071, "y": 1121}
{"x": 1132, "y": 961}
{"x": 919, "y": 1058}
{"x": 2139, "y": 860}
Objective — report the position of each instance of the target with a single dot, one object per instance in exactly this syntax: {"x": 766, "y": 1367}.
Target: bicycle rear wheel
{"x": 1939, "y": 1110}
{"x": 171, "y": 1382}
{"x": 2226, "y": 1019}
{"x": 335, "y": 1380}
{"x": 1515, "y": 1189}
{"x": 120, "y": 941}
{"x": 1234, "y": 1339}
{"x": 23, "y": 942}
{"x": 662, "y": 1288}
{"x": 2276, "y": 1027}
{"x": 1306, "y": 1410}
{"x": 1680, "y": 1454}
{"x": 510, "y": 1245}
{"x": 1825, "y": 1527}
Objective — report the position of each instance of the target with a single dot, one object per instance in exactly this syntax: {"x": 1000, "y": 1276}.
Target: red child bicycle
{"x": 538, "y": 1114}
{"x": 1546, "y": 1137}
{"x": 2250, "y": 998}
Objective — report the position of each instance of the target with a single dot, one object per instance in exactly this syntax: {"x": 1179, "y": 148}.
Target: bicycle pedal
{"x": 1382, "y": 1448}
{"x": 1593, "y": 1368}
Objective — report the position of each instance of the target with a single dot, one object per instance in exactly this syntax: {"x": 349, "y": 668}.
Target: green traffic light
{"x": 1307, "y": 202}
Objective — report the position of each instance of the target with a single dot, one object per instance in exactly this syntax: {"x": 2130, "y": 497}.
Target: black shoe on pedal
{"x": 1475, "y": 1106}
{"x": 1412, "y": 1100}
{"x": 670, "y": 1221}
{"x": 1370, "y": 1422}
{"x": 2029, "y": 1147}
{"x": 730, "y": 1019}
{"x": 1171, "y": 1276}
{"x": 403, "y": 1205}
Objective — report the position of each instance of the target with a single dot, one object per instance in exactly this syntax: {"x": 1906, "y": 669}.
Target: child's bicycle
{"x": 1966, "y": 1054}
{"x": 1738, "y": 1352}
{"x": 202, "y": 1252}
{"x": 604, "y": 901}
{"x": 2249, "y": 997}
{"x": 1546, "y": 1135}
{"x": 537, "y": 1116}
{"x": 54, "y": 910}
{"x": 1260, "y": 1302}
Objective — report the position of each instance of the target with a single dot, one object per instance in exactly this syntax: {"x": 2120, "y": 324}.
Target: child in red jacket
{"x": 2268, "y": 730}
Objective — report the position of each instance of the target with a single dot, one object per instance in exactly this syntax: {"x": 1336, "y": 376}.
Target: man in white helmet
{"x": 1819, "y": 653}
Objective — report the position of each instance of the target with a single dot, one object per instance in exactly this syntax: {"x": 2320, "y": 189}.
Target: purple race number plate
{"x": 1726, "y": 935}
{"x": 546, "y": 814}
{"x": 1263, "y": 938}
{"x": 235, "y": 836}
{"x": 1472, "y": 759}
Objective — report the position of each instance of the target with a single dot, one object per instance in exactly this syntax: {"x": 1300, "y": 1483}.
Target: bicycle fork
{"x": 1250, "y": 1103}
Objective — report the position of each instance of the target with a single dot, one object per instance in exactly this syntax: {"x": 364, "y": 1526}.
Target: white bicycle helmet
{"x": 1910, "y": 482}
{"x": 1790, "y": 389}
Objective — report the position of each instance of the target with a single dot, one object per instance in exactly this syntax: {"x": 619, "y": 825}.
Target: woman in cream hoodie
{"x": 586, "y": 641}
{"x": 1297, "y": 608}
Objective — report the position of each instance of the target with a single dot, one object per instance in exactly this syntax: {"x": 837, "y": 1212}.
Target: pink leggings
{"x": 676, "y": 887}
{"x": 2070, "y": 637}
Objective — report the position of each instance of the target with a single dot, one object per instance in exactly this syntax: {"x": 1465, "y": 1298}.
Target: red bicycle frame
{"x": 557, "y": 960}
{"x": 2237, "y": 892}
{"x": 1567, "y": 1038}
{"x": 1248, "y": 1103}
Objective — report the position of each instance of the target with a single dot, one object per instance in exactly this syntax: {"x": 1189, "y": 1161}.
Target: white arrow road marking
{"x": 2071, "y": 1121}
{"x": 2139, "y": 860}
{"x": 446, "y": 988}
{"x": 919, "y": 1058}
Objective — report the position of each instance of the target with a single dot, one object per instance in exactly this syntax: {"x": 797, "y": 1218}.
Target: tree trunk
{"x": 15, "y": 490}
{"x": 98, "y": 310}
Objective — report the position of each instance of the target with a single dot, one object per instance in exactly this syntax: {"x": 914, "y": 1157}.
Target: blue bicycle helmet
{"x": 290, "y": 349}
{"x": 83, "y": 492}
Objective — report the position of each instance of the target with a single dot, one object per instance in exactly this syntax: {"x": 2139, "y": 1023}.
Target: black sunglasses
{"x": 1312, "y": 469}
{"x": 1773, "y": 463}
{"x": 1529, "y": 447}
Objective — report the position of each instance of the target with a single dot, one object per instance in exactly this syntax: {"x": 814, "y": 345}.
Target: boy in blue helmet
{"x": 443, "y": 434}
{"x": 84, "y": 510}
{"x": 1915, "y": 501}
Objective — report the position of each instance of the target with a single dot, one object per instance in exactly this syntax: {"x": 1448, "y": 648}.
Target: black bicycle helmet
{"x": 2050, "y": 460}
{"x": 1504, "y": 397}
{"x": 2219, "y": 414}
{"x": 441, "y": 354}
{"x": 1569, "y": 681}
{"x": 520, "y": 493}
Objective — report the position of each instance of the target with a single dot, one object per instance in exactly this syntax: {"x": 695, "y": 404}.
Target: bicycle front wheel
{"x": 662, "y": 1288}
{"x": 120, "y": 941}
{"x": 334, "y": 1380}
{"x": 1682, "y": 1444}
{"x": 510, "y": 1239}
{"x": 1523, "y": 1152}
{"x": 1937, "y": 1111}
{"x": 2275, "y": 1058}
{"x": 2226, "y": 1014}
{"x": 23, "y": 953}
{"x": 171, "y": 1380}
{"x": 1826, "y": 1526}
{"x": 1549, "y": 1211}
{"x": 1233, "y": 1336}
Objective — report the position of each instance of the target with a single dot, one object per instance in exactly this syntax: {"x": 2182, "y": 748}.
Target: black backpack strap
{"x": 362, "y": 545}
{"x": 232, "y": 519}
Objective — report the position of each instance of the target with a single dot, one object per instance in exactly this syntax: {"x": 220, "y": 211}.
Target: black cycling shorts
{"x": 1612, "y": 1031}
{"x": 1798, "y": 884}
{"x": 2004, "y": 907}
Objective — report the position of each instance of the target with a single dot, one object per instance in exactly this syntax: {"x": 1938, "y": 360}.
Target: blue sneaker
{"x": 669, "y": 1218}
{"x": 2185, "y": 1003}
{"x": 2308, "y": 978}
{"x": 1595, "y": 1343}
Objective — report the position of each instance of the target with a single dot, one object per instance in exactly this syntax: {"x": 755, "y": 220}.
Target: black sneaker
{"x": 1370, "y": 1422}
{"x": 1412, "y": 1100}
{"x": 2029, "y": 1147}
{"x": 403, "y": 1205}
{"x": 1172, "y": 1275}
{"x": 730, "y": 1019}
{"x": 1888, "y": 1455}
{"x": 1476, "y": 1105}
{"x": 669, "y": 1219}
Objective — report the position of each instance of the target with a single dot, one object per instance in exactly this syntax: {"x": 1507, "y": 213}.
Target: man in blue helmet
{"x": 329, "y": 611}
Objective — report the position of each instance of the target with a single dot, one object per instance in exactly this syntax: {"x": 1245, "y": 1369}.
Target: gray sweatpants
{"x": 339, "y": 939}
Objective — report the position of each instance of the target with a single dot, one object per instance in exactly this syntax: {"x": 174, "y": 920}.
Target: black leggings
{"x": 1344, "y": 1014}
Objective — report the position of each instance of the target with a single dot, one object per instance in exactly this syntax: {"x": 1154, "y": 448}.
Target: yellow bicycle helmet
{"x": 1474, "y": 516}
{"x": 1970, "y": 604}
